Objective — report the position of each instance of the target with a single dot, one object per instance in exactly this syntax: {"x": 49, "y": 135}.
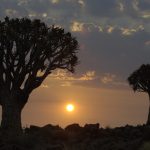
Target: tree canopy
{"x": 30, "y": 51}
{"x": 139, "y": 80}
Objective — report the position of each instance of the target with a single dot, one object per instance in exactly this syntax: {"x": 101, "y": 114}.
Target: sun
{"x": 70, "y": 107}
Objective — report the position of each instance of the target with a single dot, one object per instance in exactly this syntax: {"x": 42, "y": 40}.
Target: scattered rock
{"x": 73, "y": 128}
{"x": 75, "y": 137}
{"x": 34, "y": 128}
{"x": 92, "y": 127}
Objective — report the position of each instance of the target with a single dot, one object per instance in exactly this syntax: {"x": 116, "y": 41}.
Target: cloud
{"x": 65, "y": 79}
{"x": 114, "y": 34}
{"x": 76, "y": 26}
{"x": 66, "y": 84}
{"x": 10, "y": 12}
{"x": 81, "y": 2}
{"x": 55, "y": 1}
{"x": 88, "y": 79}
{"x": 65, "y": 76}
{"x": 146, "y": 15}
{"x": 44, "y": 86}
{"x": 88, "y": 76}
{"x": 75, "y": 13}
{"x": 112, "y": 80}
{"x": 130, "y": 31}
{"x": 110, "y": 29}
{"x": 117, "y": 53}
{"x": 147, "y": 43}
{"x": 22, "y": 2}
{"x": 121, "y": 6}
{"x": 108, "y": 78}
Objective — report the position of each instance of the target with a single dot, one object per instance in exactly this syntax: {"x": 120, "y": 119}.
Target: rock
{"x": 50, "y": 127}
{"x": 50, "y": 132}
{"x": 34, "y": 128}
{"x": 74, "y": 132}
{"x": 92, "y": 127}
{"x": 75, "y": 137}
{"x": 73, "y": 128}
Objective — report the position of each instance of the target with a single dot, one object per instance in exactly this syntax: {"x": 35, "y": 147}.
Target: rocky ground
{"x": 74, "y": 137}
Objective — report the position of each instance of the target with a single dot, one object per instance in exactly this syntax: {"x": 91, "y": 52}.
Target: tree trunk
{"x": 11, "y": 118}
{"x": 12, "y": 106}
{"x": 148, "y": 120}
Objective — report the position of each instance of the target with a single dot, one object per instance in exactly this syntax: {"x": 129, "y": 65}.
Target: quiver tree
{"x": 139, "y": 80}
{"x": 29, "y": 52}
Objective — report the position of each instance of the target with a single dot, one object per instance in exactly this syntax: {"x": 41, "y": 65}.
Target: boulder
{"x": 51, "y": 127}
{"x": 92, "y": 127}
{"x": 34, "y": 128}
{"x": 73, "y": 128}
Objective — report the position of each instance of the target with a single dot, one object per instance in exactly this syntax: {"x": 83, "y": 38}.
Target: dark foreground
{"x": 74, "y": 137}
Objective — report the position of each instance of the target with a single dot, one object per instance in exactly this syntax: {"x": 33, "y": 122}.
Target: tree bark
{"x": 148, "y": 120}
{"x": 11, "y": 118}
{"x": 12, "y": 106}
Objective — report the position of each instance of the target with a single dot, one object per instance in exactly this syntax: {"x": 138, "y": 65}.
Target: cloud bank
{"x": 114, "y": 35}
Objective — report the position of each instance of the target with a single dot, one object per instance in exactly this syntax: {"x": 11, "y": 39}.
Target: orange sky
{"x": 108, "y": 107}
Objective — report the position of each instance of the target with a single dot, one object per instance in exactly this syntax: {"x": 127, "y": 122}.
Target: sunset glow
{"x": 70, "y": 107}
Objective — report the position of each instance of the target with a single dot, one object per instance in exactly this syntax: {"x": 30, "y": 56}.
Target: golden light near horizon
{"x": 70, "y": 107}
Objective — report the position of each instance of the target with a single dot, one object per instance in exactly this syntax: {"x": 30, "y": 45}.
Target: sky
{"x": 114, "y": 39}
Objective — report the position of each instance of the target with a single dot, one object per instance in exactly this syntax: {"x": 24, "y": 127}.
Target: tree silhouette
{"x": 139, "y": 80}
{"x": 29, "y": 52}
